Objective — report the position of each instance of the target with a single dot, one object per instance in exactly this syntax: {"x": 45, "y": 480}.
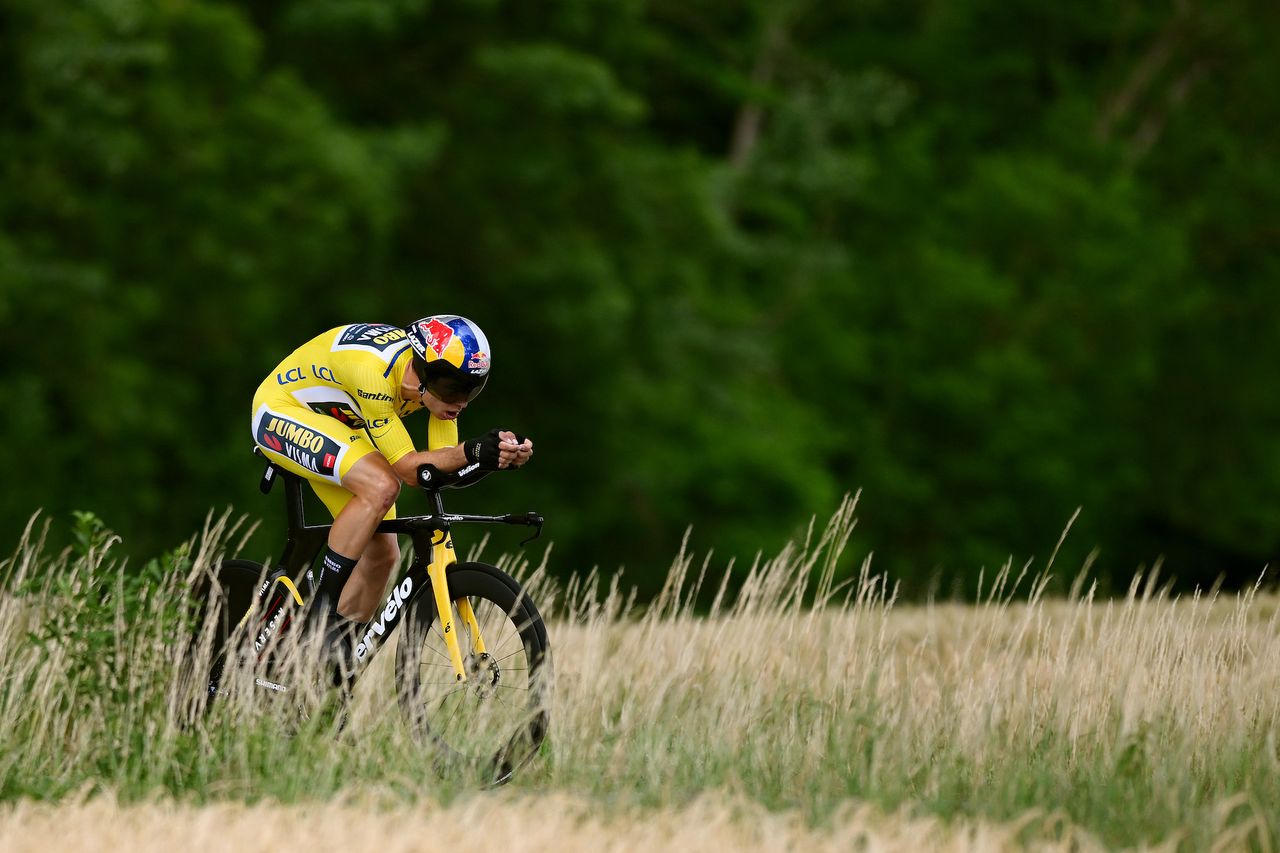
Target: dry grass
{"x": 797, "y": 712}
{"x": 555, "y": 822}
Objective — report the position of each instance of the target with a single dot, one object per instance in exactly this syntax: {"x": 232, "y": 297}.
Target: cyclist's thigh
{"x": 316, "y": 447}
{"x": 336, "y": 497}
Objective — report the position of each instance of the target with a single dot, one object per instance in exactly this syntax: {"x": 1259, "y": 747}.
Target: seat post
{"x": 302, "y": 543}
{"x": 295, "y": 510}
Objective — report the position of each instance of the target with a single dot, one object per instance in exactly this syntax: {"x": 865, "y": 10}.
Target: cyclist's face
{"x": 441, "y": 409}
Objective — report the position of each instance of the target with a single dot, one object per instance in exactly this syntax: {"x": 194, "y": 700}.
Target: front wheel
{"x": 496, "y": 720}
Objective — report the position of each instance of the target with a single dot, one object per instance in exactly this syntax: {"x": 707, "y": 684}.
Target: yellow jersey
{"x": 337, "y": 398}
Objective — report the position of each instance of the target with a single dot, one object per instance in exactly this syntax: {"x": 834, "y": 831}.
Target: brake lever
{"x": 533, "y": 520}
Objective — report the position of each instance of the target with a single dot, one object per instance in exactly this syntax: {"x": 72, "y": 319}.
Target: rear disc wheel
{"x": 227, "y": 598}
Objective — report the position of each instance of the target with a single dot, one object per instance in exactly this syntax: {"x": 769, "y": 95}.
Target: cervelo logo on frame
{"x": 395, "y": 602}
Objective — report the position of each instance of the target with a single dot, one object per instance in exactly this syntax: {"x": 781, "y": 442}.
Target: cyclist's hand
{"x": 498, "y": 449}
{"x": 516, "y": 449}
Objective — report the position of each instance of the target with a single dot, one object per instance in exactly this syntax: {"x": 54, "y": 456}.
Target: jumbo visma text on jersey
{"x": 312, "y": 450}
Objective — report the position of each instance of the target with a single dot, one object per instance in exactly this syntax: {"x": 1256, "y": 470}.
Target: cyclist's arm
{"x": 388, "y": 432}
{"x": 442, "y": 440}
{"x": 393, "y": 440}
{"x": 495, "y": 450}
{"x": 448, "y": 459}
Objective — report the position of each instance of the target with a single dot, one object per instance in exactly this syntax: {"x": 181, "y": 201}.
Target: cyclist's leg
{"x": 373, "y": 487}
{"x": 353, "y": 479}
{"x": 316, "y": 447}
{"x": 364, "y": 589}
{"x": 368, "y": 580}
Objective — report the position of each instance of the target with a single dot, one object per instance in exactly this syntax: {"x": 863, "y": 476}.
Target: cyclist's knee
{"x": 383, "y": 493}
{"x": 372, "y": 479}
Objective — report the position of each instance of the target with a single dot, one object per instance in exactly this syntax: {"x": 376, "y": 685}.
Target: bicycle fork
{"x": 442, "y": 556}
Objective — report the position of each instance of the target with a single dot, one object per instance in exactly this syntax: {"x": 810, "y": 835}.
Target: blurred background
{"x": 986, "y": 260}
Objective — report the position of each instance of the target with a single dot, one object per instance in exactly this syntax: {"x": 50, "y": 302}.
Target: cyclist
{"x": 332, "y": 412}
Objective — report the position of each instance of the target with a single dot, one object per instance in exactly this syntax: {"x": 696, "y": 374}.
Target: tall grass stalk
{"x": 1146, "y": 719}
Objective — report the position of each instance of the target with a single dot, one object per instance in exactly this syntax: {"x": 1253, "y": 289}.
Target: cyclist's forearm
{"x": 449, "y": 459}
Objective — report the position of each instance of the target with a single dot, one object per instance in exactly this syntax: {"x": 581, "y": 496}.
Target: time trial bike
{"x": 473, "y": 667}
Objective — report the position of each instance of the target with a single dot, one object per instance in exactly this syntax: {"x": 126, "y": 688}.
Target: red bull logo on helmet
{"x": 454, "y": 339}
{"x": 436, "y": 335}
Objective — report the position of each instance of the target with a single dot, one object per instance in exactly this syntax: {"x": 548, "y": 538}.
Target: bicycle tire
{"x": 228, "y": 596}
{"x": 241, "y": 587}
{"x": 506, "y": 723}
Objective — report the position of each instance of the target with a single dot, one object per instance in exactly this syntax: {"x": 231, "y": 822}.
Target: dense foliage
{"x": 987, "y": 261}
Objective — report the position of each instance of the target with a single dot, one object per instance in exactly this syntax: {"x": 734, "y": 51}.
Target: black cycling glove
{"x": 483, "y": 450}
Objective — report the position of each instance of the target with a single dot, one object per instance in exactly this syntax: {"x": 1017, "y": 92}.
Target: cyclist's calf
{"x": 363, "y": 590}
{"x": 374, "y": 487}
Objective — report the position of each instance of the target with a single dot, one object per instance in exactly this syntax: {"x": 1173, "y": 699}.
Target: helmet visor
{"x": 451, "y": 385}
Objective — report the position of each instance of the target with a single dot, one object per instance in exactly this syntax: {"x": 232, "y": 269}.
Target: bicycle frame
{"x": 430, "y": 535}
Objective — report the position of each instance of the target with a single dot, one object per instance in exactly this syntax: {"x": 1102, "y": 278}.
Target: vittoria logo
{"x": 314, "y": 451}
